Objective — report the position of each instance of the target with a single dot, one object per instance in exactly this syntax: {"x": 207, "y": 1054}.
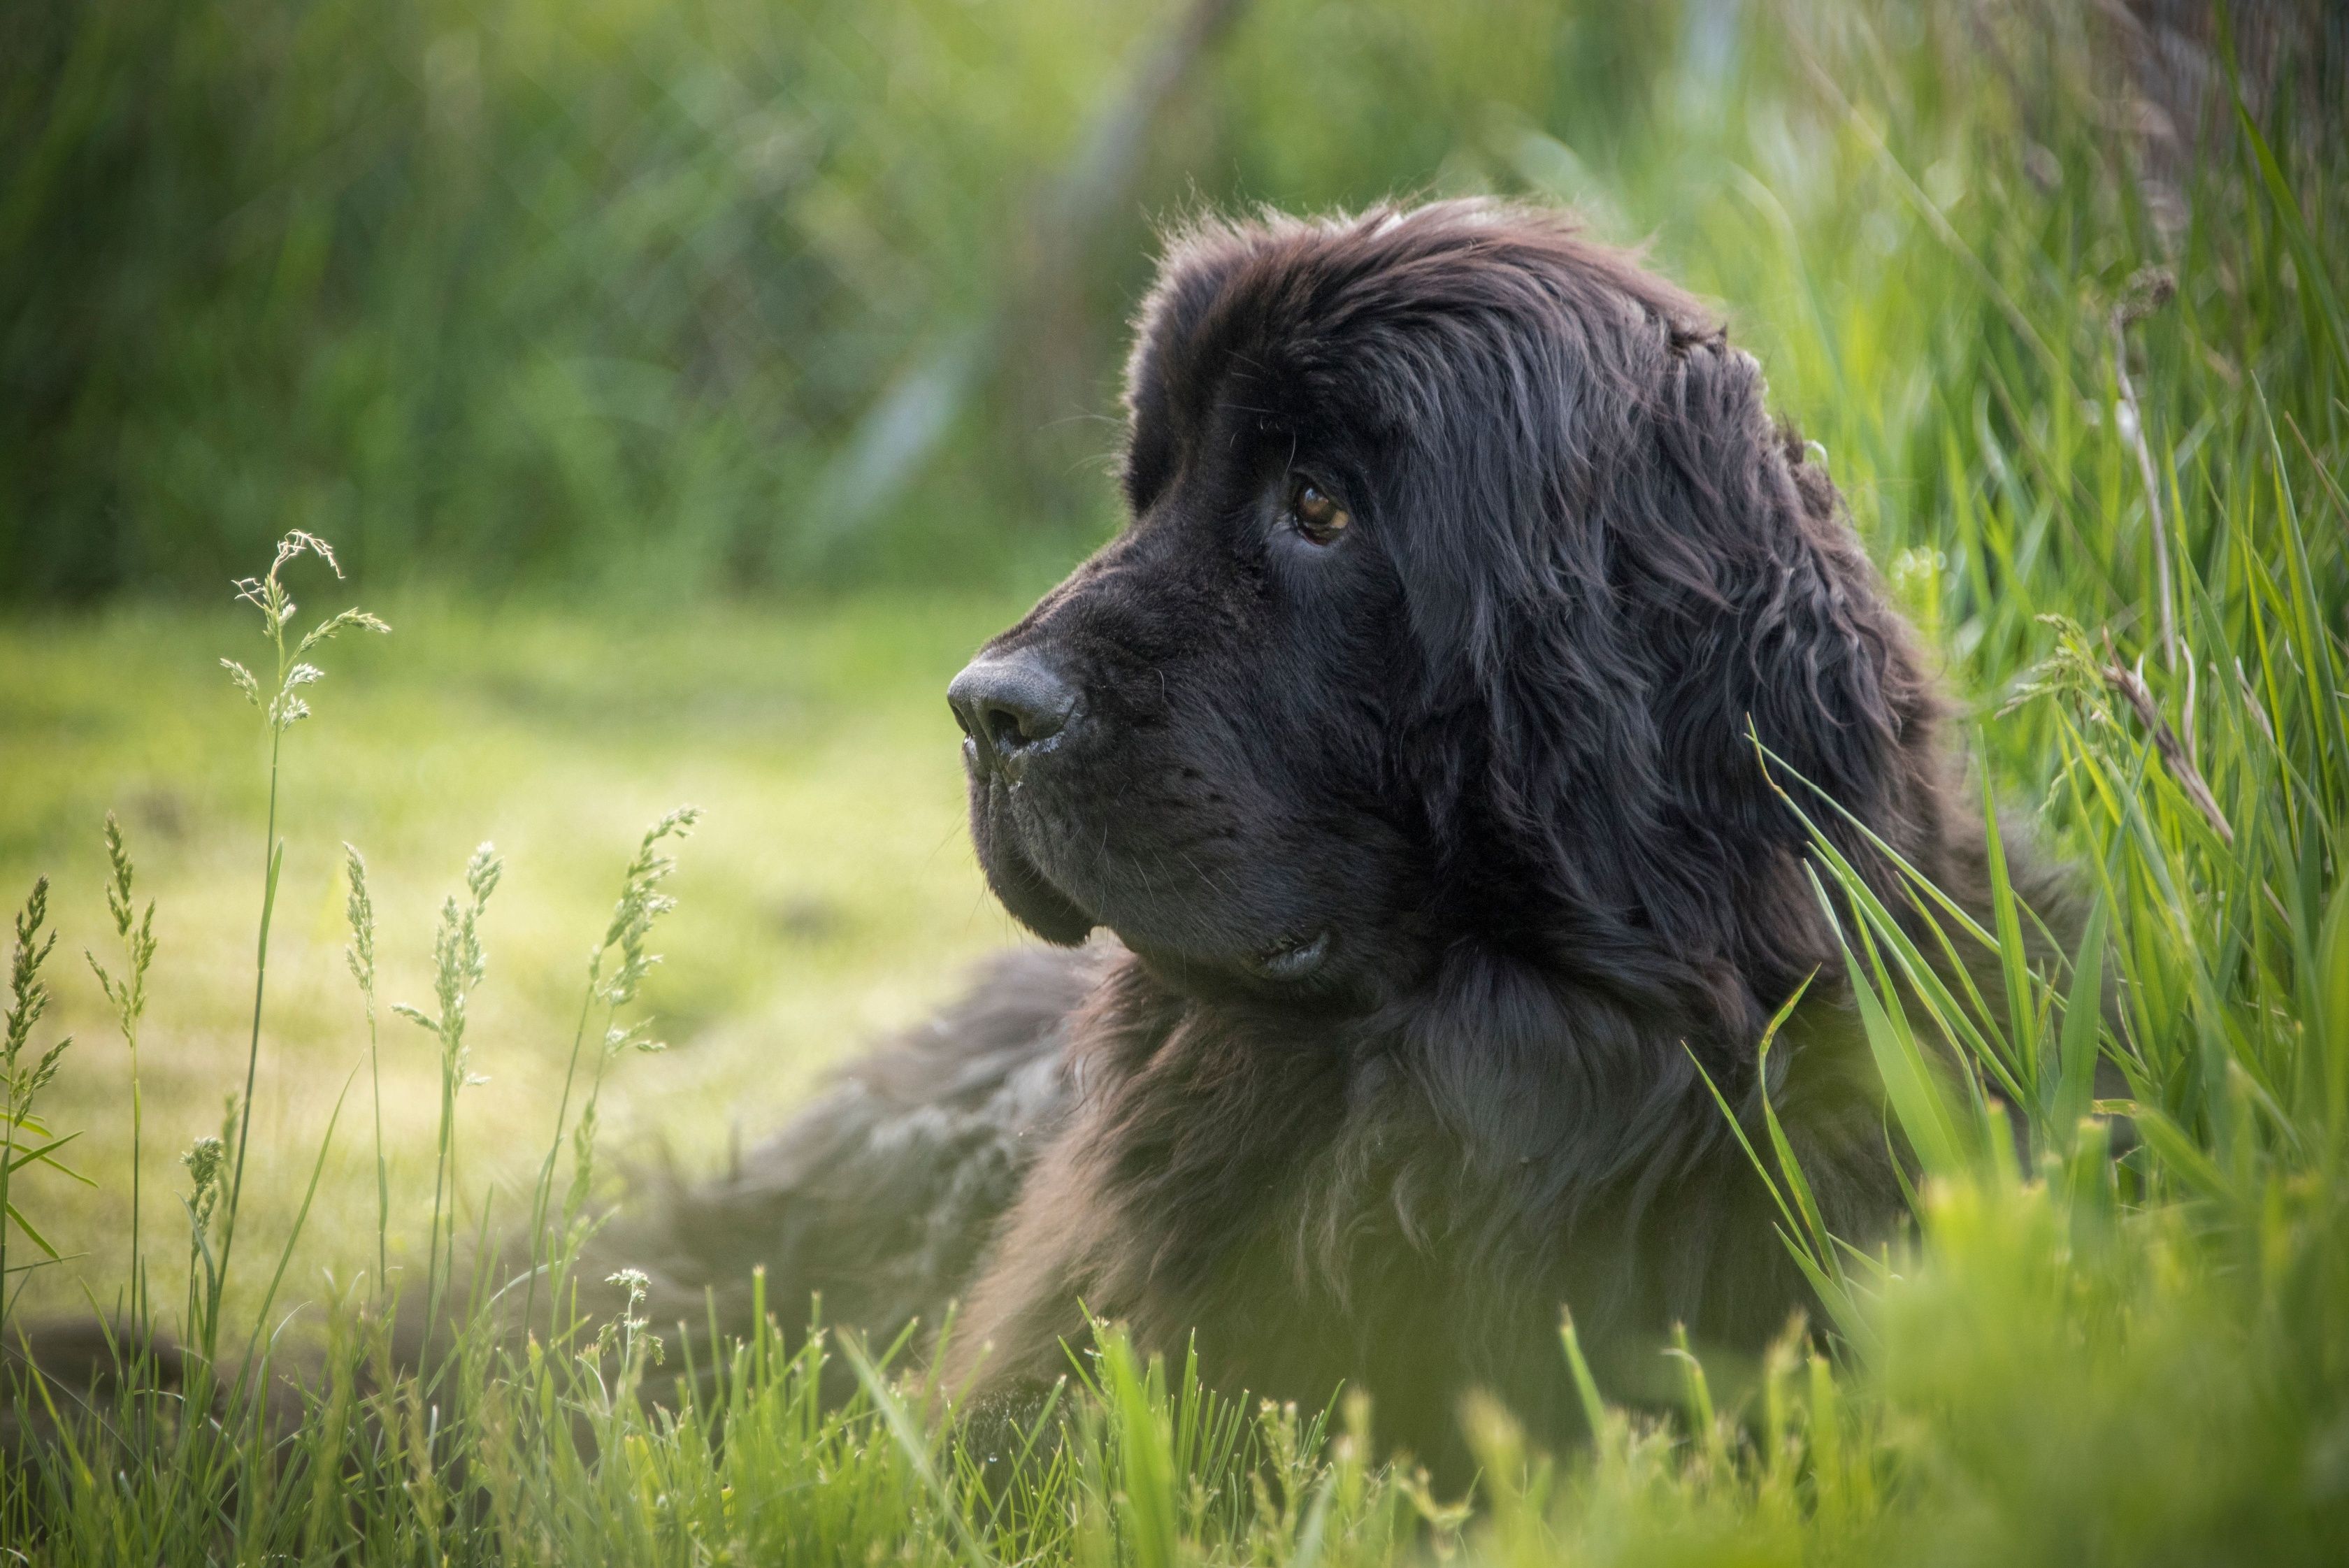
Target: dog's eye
{"x": 1319, "y": 517}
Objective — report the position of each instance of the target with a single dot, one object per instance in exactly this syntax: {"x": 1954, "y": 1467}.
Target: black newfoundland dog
{"x": 1402, "y": 751}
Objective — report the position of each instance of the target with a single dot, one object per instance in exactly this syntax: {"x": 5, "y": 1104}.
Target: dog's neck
{"x": 1507, "y": 1062}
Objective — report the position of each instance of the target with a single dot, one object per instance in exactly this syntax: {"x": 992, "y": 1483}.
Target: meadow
{"x": 2086, "y": 387}
{"x": 829, "y": 897}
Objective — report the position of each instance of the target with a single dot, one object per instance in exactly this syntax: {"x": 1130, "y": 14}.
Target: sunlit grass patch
{"x": 833, "y": 896}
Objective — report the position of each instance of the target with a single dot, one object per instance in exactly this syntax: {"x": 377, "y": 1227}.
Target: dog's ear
{"x": 1764, "y": 621}
{"x": 1632, "y": 574}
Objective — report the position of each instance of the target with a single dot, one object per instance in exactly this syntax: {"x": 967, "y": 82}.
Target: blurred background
{"x": 745, "y": 298}
{"x": 693, "y": 383}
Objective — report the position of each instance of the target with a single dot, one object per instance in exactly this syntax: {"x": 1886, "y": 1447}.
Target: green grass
{"x": 831, "y": 893}
{"x": 1925, "y": 222}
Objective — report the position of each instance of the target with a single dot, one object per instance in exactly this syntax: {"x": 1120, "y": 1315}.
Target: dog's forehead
{"x": 1269, "y": 307}
{"x": 1262, "y": 325}
{"x": 1310, "y": 292}
{"x": 1352, "y": 325}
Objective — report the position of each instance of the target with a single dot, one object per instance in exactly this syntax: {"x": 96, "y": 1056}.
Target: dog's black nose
{"x": 1010, "y": 704}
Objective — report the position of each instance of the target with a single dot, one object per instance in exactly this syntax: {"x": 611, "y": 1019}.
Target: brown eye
{"x": 1319, "y": 518}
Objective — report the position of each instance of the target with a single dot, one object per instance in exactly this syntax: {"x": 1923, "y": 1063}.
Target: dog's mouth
{"x": 1292, "y": 958}
{"x": 1032, "y": 898}
{"x": 1025, "y": 881}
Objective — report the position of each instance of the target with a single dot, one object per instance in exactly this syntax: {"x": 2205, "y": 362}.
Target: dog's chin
{"x": 1037, "y": 904}
{"x": 1024, "y": 892}
{"x": 1221, "y": 948}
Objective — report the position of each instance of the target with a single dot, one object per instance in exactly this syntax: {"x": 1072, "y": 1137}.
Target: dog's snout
{"x": 1010, "y": 704}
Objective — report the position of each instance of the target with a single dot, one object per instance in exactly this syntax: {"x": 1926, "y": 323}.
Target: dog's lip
{"x": 1300, "y": 954}
{"x": 1029, "y": 890}
{"x": 1290, "y": 958}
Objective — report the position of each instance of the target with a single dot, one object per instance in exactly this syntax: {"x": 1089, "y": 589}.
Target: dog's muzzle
{"x": 1013, "y": 707}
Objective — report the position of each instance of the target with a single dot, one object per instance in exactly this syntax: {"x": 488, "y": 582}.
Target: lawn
{"x": 830, "y": 894}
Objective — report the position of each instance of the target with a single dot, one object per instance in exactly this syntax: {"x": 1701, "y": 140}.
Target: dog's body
{"x": 1407, "y": 742}
{"x": 1321, "y": 1206}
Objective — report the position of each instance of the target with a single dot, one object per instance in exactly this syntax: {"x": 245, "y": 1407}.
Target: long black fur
{"x": 1494, "y": 747}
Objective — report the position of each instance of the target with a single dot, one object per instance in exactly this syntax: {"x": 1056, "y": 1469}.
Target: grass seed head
{"x": 459, "y": 961}
{"x": 27, "y": 996}
{"x": 267, "y": 594}
{"x": 207, "y": 1163}
{"x": 328, "y": 628}
{"x": 359, "y": 907}
{"x": 641, "y": 903}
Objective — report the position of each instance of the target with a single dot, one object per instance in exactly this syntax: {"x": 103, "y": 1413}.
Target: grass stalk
{"x": 128, "y": 998}
{"x": 459, "y": 964}
{"x": 21, "y": 1083}
{"x": 274, "y": 861}
{"x": 640, "y": 905}
{"x": 280, "y": 711}
{"x": 359, "y": 957}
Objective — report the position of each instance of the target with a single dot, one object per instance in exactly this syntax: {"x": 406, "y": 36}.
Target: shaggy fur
{"x": 1431, "y": 858}
{"x": 1437, "y": 855}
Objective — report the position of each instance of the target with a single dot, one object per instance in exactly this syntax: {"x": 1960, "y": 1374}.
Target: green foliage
{"x": 627, "y": 294}
{"x": 25, "y": 1138}
{"x": 2091, "y": 400}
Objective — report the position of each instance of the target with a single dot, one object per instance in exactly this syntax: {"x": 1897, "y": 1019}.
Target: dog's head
{"x": 1462, "y": 555}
